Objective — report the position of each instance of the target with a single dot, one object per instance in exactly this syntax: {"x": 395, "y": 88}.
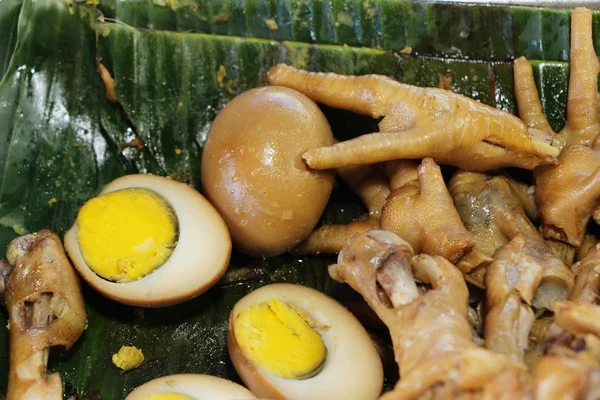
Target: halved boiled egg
{"x": 147, "y": 240}
{"x": 293, "y": 342}
{"x": 190, "y": 387}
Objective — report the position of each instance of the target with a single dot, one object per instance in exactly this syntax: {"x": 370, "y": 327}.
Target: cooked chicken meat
{"x": 571, "y": 367}
{"x": 45, "y": 307}
{"x": 420, "y": 210}
{"x": 522, "y": 275}
{"x": 372, "y": 186}
{"x": 568, "y": 193}
{"x": 417, "y": 123}
{"x": 432, "y": 339}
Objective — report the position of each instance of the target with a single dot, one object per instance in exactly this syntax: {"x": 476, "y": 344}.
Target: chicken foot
{"x": 45, "y": 306}
{"x": 371, "y": 185}
{"x": 492, "y": 212}
{"x": 433, "y": 342}
{"x": 420, "y": 211}
{"x": 568, "y": 193}
{"x": 522, "y": 275}
{"x": 571, "y": 367}
{"x": 418, "y": 123}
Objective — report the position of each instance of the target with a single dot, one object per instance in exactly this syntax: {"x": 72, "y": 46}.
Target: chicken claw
{"x": 568, "y": 194}
{"x": 493, "y": 214}
{"x": 421, "y": 211}
{"x": 571, "y": 367}
{"x": 45, "y": 306}
{"x": 521, "y": 275}
{"x": 371, "y": 185}
{"x": 433, "y": 342}
{"x": 331, "y": 238}
{"x": 418, "y": 123}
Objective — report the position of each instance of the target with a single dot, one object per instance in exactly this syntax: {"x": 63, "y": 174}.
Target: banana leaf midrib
{"x": 325, "y": 46}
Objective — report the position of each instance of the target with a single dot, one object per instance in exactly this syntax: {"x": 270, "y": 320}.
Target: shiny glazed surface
{"x": 253, "y": 172}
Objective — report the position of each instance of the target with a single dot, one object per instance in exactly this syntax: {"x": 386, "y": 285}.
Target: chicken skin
{"x": 432, "y": 338}
{"x": 45, "y": 307}
{"x": 567, "y": 193}
{"x": 417, "y": 123}
{"x": 419, "y": 209}
{"x": 371, "y": 186}
{"x": 570, "y": 369}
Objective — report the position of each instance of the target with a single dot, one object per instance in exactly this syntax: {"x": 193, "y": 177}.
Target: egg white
{"x": 194, "y": 385}
{"x": 197, "y": 262}
{"x": 353, "y": 368}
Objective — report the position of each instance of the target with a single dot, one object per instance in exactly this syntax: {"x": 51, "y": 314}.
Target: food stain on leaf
{"x": 271, "y": 24}
{"x": 16, "y": 221}
{"x": 221, "y": 17}
{"x": 445, "y": 81}
{"x": 221, "y": 74}
{"x": 344, "y": 19}
{"x": 136, "y": 143}
{"x": 109, "y": 83}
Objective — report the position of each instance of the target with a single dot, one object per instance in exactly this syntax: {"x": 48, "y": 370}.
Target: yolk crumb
{"x": 126, "y": 234}
{"x": 167, "y": 396}
{"x": 279, "y": 339}
{"x": 128, "y": 358}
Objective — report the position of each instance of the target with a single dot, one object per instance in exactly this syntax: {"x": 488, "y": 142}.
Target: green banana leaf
{"x": 429, "y": 29}
{"x": 60, "y": 137}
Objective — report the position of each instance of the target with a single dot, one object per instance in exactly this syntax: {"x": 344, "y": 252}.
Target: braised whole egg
{"x": 190, "y": 387}
{"x": 253, "y": 172}
{"x": 292, "y": 342}
{"x": 150, "y": 241}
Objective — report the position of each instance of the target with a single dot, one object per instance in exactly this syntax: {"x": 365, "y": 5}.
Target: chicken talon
{"x": 582, "y": 125}
{"x": 433, "y": 342}
{"x": 369, "y": 184}
{"x": 511, "y": 282}
{"x": 422, "y": 212}
{"x": 330, "y": 239}
{"x": 528, "y": 99}
{"x": 571, "y": 366}
{"x": 45, "y": 309}
{"x": 372, "y": 187}
{"x": 418, "y": 123}
{"x": 492, "y": 212}
{"x": 568, "y": 194}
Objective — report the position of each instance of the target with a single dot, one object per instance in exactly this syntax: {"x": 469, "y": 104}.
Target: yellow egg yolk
{"x": 167, "y": 396}
{"x": 128, "y": 358}
{"x": 126, "y": 234}
{"x": 280, "y": 340}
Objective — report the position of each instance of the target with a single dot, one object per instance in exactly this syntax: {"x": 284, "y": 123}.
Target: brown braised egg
{"x": 293, "y": 342}
{"x": 149, "y": 241}
{"x": 253, "y": 172}
{"x": 190, "y": 387}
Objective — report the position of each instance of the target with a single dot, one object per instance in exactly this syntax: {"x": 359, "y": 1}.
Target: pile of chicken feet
{"x": 541, "y": 334}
